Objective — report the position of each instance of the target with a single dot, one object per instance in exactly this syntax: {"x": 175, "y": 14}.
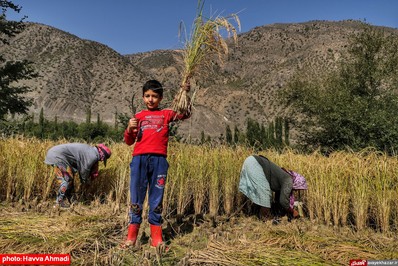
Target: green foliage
{"x": 236, "y": 135}
{"x": 98, "y": 119}
{"x": 279, "y": 130}
{"x": 41, "y": 123}
{"x": 55, "y": 130}
{"x": 202, "y": 137}
{"x": 91, "y": 132}
{"x": 173, "y": 128}
{"x": 67, "y": 130}
{"x": 253, "y": 133}
{"x": 122, "y": 119}
{"x": 270, "y": 136}
{"x": 263, "y": 137}
{"x": 228, "y": 135}
{"x": 88, "y": 115}
{"x": 354, "y": 106}
{"x": 9, "y": 28}
{"x": 286, "y": 132}
{"x": 12, "y": 100}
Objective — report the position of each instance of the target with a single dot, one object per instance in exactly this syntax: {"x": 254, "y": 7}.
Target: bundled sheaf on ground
{"x": 351, "y": 209}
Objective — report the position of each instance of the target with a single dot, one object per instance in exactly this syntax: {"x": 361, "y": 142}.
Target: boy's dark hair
{"x": 154, "y": 85}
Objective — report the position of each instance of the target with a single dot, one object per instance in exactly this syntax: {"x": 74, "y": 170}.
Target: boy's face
{"x": 151, "y": 99}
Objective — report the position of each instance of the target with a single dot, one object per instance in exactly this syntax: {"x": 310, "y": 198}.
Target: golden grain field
{"x": 351, "y": 208}
{"x": 354, "y": 189}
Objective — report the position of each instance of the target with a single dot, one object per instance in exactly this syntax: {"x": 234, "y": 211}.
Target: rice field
{"x": 351, "y": 209}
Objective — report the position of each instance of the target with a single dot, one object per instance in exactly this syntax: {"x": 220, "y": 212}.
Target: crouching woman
{"x": 261, "y": 179}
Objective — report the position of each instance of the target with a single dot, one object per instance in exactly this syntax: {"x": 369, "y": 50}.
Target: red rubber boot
{"x": 131, "y": 235}
{"x": 156, "y": 235}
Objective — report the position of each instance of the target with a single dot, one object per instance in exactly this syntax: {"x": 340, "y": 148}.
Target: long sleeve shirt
{"x": 81, "y": 157}
{"x": 153, "y": 131}
{"x": 279, "y": 181}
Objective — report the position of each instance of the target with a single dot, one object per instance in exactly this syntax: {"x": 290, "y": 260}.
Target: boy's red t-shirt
{"x": 154, "y": 129}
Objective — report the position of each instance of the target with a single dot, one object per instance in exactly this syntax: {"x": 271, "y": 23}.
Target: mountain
{"x": 77, "y": 75}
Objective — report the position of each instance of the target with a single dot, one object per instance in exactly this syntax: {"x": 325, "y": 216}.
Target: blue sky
{"x": 133, "y": 26}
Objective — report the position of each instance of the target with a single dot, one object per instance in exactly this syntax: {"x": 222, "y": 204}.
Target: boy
{"x": 149, "y": 130}
{"x": 67, "y": 159}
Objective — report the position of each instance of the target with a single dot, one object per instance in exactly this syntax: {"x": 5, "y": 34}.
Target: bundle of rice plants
{"x": 204, "y": 44}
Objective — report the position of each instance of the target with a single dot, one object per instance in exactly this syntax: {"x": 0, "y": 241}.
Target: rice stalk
{"x": 316, "y": 195}
{"x": 205, "y": 42}
{"x": 384, "y": 192}
{"x": 121, "y": 182}
{"x": 230, "y": 167}
{"x": 360, "y": 192}
{"x": 14, "y": 166}
{"x": 214, "y": 182}
{"x": 33, "y": 168}
{"x": 48, "y": 181}
{"x": 339, "y": 183}
{"x": 170, "y": 192}
{"x": 184, "y": 193}
{"x": 200, "y": 176}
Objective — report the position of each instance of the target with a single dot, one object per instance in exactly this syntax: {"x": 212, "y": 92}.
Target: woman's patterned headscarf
{"x": 104, "y": 152}
{"x": 299, "y": 183}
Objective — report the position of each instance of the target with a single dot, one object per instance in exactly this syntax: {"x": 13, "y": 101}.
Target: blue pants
{"x": 147, "y": 170}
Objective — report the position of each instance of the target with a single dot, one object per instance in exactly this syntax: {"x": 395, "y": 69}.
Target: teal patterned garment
{"x": 254, "y": 184}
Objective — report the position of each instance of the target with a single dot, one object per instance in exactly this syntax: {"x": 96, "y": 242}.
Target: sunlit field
{"x": 351, "y": 209}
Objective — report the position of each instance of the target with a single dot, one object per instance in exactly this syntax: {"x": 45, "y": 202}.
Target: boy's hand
{"x": 186, "y": 86}
{"x": 132, "y": 125}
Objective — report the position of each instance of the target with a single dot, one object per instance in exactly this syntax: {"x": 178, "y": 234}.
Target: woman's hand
{"x": 94, "y": 171}
{"x": 292, "y": 214}
{"x": 295, "y": 214}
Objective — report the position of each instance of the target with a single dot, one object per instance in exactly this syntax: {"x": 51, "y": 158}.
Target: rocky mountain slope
{"x": 77, "y": 75}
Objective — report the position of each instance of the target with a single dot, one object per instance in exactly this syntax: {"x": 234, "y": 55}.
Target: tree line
{"x": 259, "y": 136}
{"x": 275, "y": 134}
{"x": 89, "y": 131}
